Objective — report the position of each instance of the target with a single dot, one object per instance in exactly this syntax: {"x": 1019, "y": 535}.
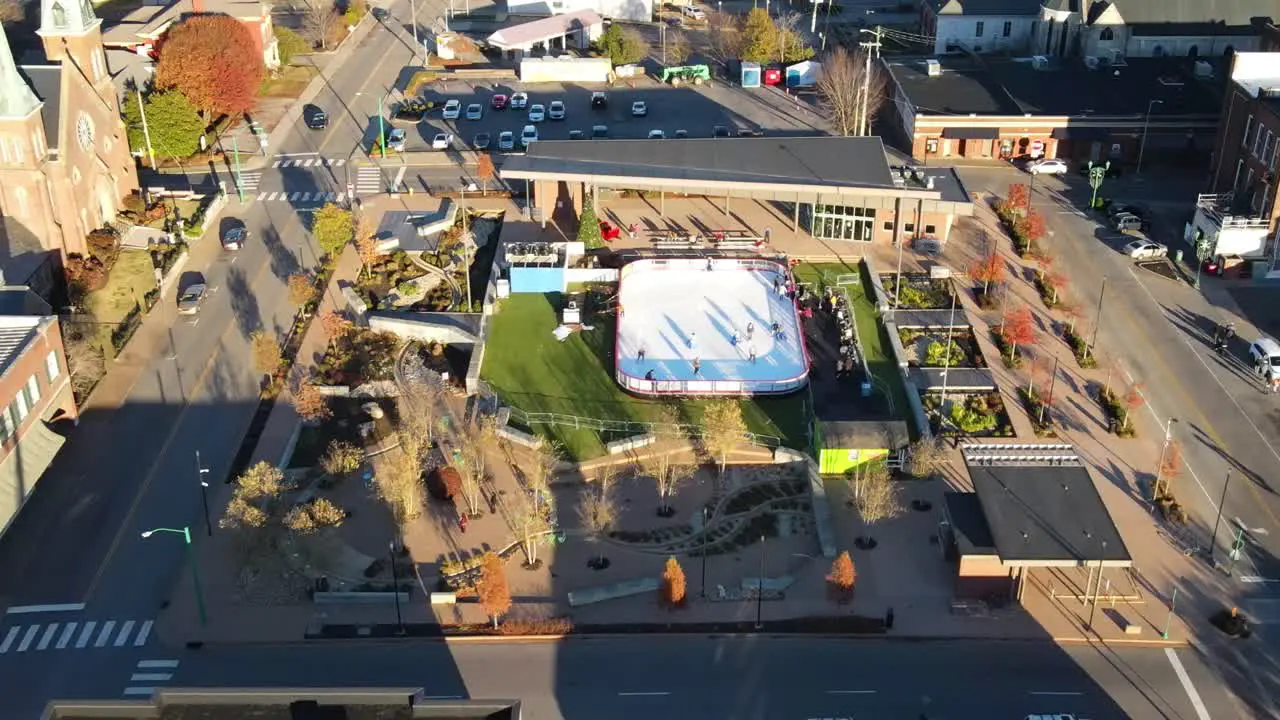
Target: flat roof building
{"x": 285, "y": 704}
{"x": 835, "y": 188}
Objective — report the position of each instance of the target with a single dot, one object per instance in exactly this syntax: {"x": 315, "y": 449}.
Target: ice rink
{"x": 675, "y": 312}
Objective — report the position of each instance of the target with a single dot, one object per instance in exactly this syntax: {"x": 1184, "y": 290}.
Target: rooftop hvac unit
{"x": 932, "y": 68}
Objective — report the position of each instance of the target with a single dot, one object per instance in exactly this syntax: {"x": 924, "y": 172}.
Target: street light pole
{"x": 760, "y": 587}
{"x": 1213, "y": 539}
{"x": 382, "y": 132}
{"x": 1173, "y": 603}
{"x": 704, "y": 552}
{"x": 201, "y": 470}
{"x": 185, "y": 532}
{"x": 1094, "y": 607}
{"x": 395, "y": 587}
{"x": 1097, "y": 321}
{"x": 1164, "y": 447}
{"x": 1142, "y": 146}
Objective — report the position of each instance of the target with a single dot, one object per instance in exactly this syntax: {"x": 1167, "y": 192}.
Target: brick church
{"x": 64, "y": 156}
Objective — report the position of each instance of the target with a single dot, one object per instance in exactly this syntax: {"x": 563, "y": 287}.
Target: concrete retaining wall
{"x": 340, "y": 597}
{"x": 881, "y": 299}
{"x": 635, "y": 442}
{"x": 629, "y": 588}
{"x": 821, "y": 510}
{"x": 519, "y": 437}
{"x": 356, "y": 305}
{"x": 169, "y": 279}
{"x": 428, "y": 327}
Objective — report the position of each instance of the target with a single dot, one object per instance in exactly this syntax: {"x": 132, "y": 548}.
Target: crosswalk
{"x": 77, "y": 635}
{"x": 309, "y": 162}
{"x": 299, "y": 197}
{"x": 148, "y": 675}
{"x": 249, "y": 182}
{"x": 369, "y": 180}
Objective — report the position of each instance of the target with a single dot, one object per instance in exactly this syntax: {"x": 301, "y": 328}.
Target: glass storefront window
{"x": 840, "y": 222}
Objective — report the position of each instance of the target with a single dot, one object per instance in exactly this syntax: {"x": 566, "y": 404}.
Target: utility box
{"x": 750, "y": 75}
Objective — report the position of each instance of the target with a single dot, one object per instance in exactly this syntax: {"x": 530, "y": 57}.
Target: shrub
{"x": 1079, "y": 348}
{"x": 342, "y": 458}
{"x": 973, "y": 417}
{"x": 408, "y": 287}
{"x": 936, "y": 355}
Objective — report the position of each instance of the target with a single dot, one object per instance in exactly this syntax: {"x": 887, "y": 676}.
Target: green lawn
{"x": 871, "y": 332}
{"x": 534, "y": 372}
{"x": 129, "y": 280}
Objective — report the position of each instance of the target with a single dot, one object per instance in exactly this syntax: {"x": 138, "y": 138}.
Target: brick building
{"x": 1001, "y": 108}
{"x": 140, "y": 30}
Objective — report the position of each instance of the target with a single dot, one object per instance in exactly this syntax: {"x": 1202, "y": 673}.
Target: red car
{"x": 499, "y": 102}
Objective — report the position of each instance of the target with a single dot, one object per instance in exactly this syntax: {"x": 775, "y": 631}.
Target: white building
{"x": 1107, "y": 29}
{"x": 635, "y": 10}
{"x": 575, "y": 30}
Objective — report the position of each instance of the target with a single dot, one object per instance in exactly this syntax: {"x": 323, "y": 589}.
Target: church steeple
{"x": 17, "y": 100}
{"x": 60, "y": 18}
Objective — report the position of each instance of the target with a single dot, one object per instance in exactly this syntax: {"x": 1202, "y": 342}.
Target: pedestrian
{"x": 693, "y": 340}
{"x": 462, "y": 523}
{"x": 640, "y": 355}
{"x": 751, "y": 329}
{"x": 649, "y": 375}
{"x": 888, "y": 619}
{"x": 697, "y": 366}
{"x": 733, "y": 340}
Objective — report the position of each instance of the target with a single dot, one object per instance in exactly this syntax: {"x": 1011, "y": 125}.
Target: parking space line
{"x": 1181, "y": 672}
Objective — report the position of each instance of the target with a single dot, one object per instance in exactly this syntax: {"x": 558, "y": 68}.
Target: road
{"x": 1225, "y": 421}
{"x": 708, "y": 678}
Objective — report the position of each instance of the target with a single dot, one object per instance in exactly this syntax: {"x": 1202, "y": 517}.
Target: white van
{"x": 1264, "y": 353}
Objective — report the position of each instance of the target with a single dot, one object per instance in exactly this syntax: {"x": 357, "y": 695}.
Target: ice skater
{"x": 751, "y": 329}
{"x": 777, "y": 330}
{"x": 751, "y": 354}
{"x": 709, "y": 265}
{"x": 693, "y": 340}
{"x": 640, "y": 355}
{"x": 777, "y": 284}
{"x": 733, "y": 340}
{"x": 697, "y": 366}
{"x": 649, "y": 375}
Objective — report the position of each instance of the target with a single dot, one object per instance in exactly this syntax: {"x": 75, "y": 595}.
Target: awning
{"x": 20, "y": 472}
{"x": 1081, "y": 133}
{"x": 970, "y": 133}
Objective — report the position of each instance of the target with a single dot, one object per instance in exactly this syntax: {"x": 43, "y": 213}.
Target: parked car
{"x": 480, "y": 141}
{"x": 499, "y": 102}
{"x": 657, "y": 135}
{"x": 1144, "y": 250}
{"x": 506, "y": 140}
{"x": 528, "y": 136}
{"x": 682, "y": 133}
{"x": 720, "y": 131}
{"x": 747, "y": 132}
{"x": 556, "y": 110}
{"x": 1125, "y": 222}
{"x": 519, "y": 100}
{"x": 576, "y": 135}
{"x": 639, "y": 109}
{"x": 234, "y": 234}
{"x": 537, "y": 113}
{"x": 192, "y": 298}
{"x": 599, "y": 131}
{"x": 452, "y": 109}
{"x": 599, "y": 101}
{"x": 1123, "y": 208}
{"x": 1050, "y": 166}
{"x": 694, "y": 12}
{"x": 1264, "y": 355}
{"x": 442, "y": 141}
{"x": 396, "y": 140}
{"x": 317, "y": 119}
{"x": 475, "y": 111}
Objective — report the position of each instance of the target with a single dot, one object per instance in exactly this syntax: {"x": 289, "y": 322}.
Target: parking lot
{"x": 696, "y": 110}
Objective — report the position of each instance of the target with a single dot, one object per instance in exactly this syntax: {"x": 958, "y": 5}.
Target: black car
{"x": 315, "y": 118}
{"x": 720, "y": 131}
{"x": 599, "y": 101}
{"x": 234, "y": 234}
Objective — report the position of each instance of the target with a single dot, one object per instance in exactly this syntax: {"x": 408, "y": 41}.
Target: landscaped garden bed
{"x": 1079, "y": 348}
{"x": 1118, "y": 410}
{"x": 917, "y": 292}
{"x": 344, "y": 426}
{"x": 358, "y": 356}
{"x": 1038, "y": 411}
{"x": 388, "y": 273}
{"x": 975, "y": 415}
{"x": 928, "y": 348}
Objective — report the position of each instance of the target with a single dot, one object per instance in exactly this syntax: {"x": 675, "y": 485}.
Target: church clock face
{"x": 84, "y": 131}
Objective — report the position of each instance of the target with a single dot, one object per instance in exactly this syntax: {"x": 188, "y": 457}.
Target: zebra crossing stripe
{"x": 105, "y": 635}
{"x": 262, "y": 196}
{"x": 67, "y": 632}
{"x": 149, "y": 677}
{"x": 85, "y": 634}
{"x": 143, "y": 632}
{"x": 278, "y": 163}
{"x": 339, "y": 162}
{"x": 123, "y": 637}
{"x": 139, "y": 691}
{"x": 26, "y": 639}
{"x": 8, "y": 639}
{"x": 152, "y": 664}
{"x": 47, "y": 637}
{"x": 306, "y": 196}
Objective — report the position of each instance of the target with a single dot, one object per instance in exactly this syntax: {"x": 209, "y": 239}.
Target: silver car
{"x": 475, "y": 111}
{"x": 506, "y": 140}
{"x": 191, "y": 299}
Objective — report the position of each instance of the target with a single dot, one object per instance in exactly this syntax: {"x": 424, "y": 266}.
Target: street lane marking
{"x": 851, "y": 692}
{"x": 642, "y": 694}
{"x": 67, "y": 632}
{"x": 105, "y": 635}
{"x": 26, "y": 639}
{"x": 1051, "y": 693}
{"x": 139, "y": 690}
{"x": 153, "y": 664}
{"x": 8, "y": 640}
{"x": 297, "y": 154}
{"x": 85, "y": 633}
{"x": 1181, "y": 672}
{"x": 47, "y": 637}
{"x": 60, "y": 607}
{"x": 142, "y": 634}
{"x": 149, "y": 677}
{"x": 123, "y": 637}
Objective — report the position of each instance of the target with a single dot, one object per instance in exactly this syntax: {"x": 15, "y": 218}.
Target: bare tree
{"x": 398, "y": 483}
{"x": 841, "y": 83}
{"x": 321, "y": 21}
{"x": 926, "y": 457}
{"x": 475, "y": 440}
{"x": 723, "y": 34}
{"x": 668, "y": 476}
{"x": 539, "y": 472}
{"x": 11, "y": 11}
{"x": 677, "y": 49}
{"x": 421, "y": 397}
{"x": 530, "y": 519}
{"x": 874, "y": 493}
{"x": 598, "y": 512}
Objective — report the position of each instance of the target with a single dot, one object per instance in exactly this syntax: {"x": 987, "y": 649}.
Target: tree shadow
{"x": 244, "y": 302}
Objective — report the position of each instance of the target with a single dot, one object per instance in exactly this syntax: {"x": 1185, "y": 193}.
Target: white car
{"x": 639, "y": 109}
{"x": 556, "y": 110}
{"x": 1144, "y": 249}
{"x": 537, "y": 114}
{"x": 528, "y": 136}
{"x": 475, "y": 111}
{"x": 1047, "y": 167}
{"x": 506, "y": 140}
{"x": 657, "y": 135}
{"x": 694, "y": 12}
{"x": 442, "y": 141}
{"x": 452, "y": 109}
{"x": 519, "y": 100}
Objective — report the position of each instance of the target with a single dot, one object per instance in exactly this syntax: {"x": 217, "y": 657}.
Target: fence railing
{"x": 636, "y": 427}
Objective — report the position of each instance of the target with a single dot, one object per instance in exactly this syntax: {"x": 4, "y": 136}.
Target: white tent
{"x": 803, "y": 73}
